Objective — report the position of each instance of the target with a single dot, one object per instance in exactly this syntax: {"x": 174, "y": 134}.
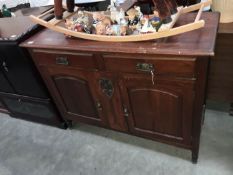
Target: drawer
{"x": 69, "y": 59}
{"x": 167, "y": 66}
{"x": 23, "y": 107}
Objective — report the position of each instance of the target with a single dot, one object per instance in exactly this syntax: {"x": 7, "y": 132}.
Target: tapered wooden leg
{"x": 203, "y": 114}
{"x": 70, "y": 5}
{"x": 194, "y": 156}
{"x": 58, "y": 10}
{"x": 231, "y": 109}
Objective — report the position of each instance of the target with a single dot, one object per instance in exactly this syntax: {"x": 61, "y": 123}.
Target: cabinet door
{"x": 5, "y": 86}
{"x": 161, "y": 111}
{"x": 75, "y": 94}
{"x": 20, "y": 72}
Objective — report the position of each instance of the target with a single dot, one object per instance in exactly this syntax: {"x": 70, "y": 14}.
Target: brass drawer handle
{"x": 145, "y": 67}
{"x": 62, "y": 61}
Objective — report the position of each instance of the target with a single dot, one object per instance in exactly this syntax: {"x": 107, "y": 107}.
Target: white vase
{"x": 225, "y": 7}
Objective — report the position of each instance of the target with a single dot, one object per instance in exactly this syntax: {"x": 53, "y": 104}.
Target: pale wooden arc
{"x": 199, "y": 13}
{"x": 176, "y": 17}
{"x": 128, "y": 38}
{"x": 66, "y": 15}
{"x": 196, "y": 6}
{"x": 53, "y": 25}
{"x": 46, "y": 13}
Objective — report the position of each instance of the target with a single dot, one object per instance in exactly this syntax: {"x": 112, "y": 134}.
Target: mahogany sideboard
{"x": 153, "y": 89}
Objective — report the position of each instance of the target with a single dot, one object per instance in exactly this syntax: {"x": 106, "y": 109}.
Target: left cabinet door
{"x": 18, "y": 68}
{"x": 5, "y": 86}
{"x": 74, "y": 93}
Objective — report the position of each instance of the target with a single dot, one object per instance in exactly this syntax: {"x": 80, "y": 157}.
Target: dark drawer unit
{"x": 19, "y": 72}
{"x": 22, "y": 91}
{"x": 33, "y": 109}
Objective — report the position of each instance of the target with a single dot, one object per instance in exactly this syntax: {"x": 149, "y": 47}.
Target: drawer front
{"x": 23, "y": 107}
{"x": 160, "y": 66}
{"x": 68, "y": 59}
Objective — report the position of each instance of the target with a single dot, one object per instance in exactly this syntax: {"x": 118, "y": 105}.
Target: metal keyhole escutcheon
{"x": 106, "y": 87}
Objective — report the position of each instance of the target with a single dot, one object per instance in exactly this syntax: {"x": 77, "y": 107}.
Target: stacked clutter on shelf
{"x": 117, "y": 24}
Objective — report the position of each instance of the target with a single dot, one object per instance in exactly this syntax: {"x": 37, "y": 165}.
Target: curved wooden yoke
{"x": 164, "y": 31}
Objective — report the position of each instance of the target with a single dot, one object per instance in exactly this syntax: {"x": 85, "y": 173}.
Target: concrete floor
{"x": 34, "y": 149}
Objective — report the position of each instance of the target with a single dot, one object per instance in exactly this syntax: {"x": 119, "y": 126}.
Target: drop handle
{"x": 99, "y": 106}
{"x": 5, "y": 66}
{"x": 126, "y": 111}
{"x": 62, "y": 61}
{"x": 145, "y": 67}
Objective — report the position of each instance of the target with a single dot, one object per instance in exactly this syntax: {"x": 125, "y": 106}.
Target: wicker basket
{"x": 226, "y": 9}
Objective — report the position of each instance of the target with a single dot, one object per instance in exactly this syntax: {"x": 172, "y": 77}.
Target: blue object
{"x": 155, "y": 19}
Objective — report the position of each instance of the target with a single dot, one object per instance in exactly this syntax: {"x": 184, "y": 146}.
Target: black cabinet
{"x": 16, "y": 61}
{"x": 4, "y": 84}
{"x": 22, "y": 91}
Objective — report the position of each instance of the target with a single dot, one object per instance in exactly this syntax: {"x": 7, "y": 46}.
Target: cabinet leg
{"x": 69, "y": 124}
{"x": 203, "y": 114}
{"x": 231, "y": 110}
{"x": 194, "y": 156}
{"x": 64, "y": 125}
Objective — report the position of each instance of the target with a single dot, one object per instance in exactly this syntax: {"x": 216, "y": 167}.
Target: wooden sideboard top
{"x": 196, "y": 43}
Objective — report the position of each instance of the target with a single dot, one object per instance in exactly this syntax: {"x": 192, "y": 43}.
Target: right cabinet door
{"x": 160, "y": 111}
